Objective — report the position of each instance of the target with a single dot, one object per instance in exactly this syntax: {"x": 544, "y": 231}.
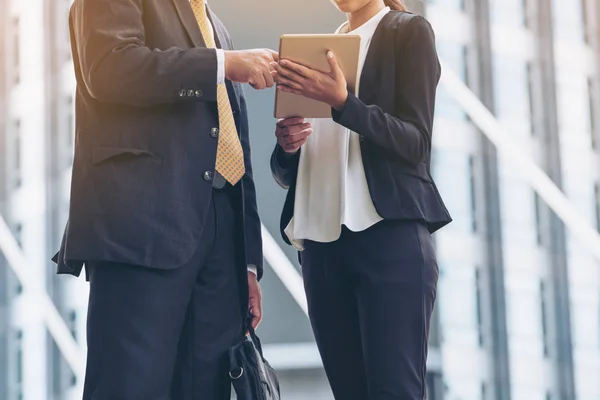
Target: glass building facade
{"x": 518, "y": 307}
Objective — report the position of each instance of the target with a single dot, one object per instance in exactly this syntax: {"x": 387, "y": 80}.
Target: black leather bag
{"x": 252, "y": 376}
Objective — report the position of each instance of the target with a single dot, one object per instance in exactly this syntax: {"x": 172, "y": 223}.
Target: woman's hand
{"x": 292, "y": 133}
{"x": 329, "y": 87}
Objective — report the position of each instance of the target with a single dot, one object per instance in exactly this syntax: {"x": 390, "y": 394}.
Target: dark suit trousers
{"x": 158, "y": 335}
{"x": 370, "y": 298}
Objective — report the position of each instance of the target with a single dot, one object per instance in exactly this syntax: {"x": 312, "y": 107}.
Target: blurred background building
{"x": 518, "y": 311}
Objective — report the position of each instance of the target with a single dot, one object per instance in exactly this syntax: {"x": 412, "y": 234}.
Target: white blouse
{"x": 331, "y": 188}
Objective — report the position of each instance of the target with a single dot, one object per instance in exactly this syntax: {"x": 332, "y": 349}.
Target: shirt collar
{"x": 368, "y": 26}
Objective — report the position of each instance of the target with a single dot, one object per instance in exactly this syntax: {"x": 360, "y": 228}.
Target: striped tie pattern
{"x": 230, "y": 155}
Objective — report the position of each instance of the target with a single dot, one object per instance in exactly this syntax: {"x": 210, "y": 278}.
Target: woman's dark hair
{"x": 397, "y": 5}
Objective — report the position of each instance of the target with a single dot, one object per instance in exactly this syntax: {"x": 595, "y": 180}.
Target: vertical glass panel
{"x": 479, "y": 306}
{"x": 597, "y": 204}
{"x": 544, "y": 317}
{"x": 518, "y": 213}
{"x": 568, "y": 20}
{"x": 509, "y": 12}
{"x": 586, "y": 334}
{"x": 454, "y": 55}
{"x": 527, "y": 393}
{"x": 538, "y": 218}
{"x": 458, "y": 5}
{"x": 511, "y": 88}
{"x": 17, "y": 155}
{"x": 458, "y": 304}
{"x": 574, "y": 109}
{"x": 19, "y": 359}
{"x": 452, "y": 174}
{"x": 463, "y": 389}
{"x": 592, "y": 112}
{"x": 523, "y": 314}
{"x": 531, "y": 97}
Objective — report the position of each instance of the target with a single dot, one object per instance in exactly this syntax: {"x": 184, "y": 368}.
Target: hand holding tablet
{"x": 315, "y": 74}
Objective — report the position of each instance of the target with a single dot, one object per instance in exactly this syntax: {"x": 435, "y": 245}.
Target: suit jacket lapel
{"x": 186, "y": 15}
{"x": 369, "y": 77}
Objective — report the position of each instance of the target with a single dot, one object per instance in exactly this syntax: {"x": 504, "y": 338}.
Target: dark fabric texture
{"x": 394, "y": 117}
{"x": 165, "y": 334}
{"x": 146, "y": 143}
{"x": 370, "y": 298}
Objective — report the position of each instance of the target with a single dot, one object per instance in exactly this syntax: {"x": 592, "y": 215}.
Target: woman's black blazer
{"x": 394, "y": 117}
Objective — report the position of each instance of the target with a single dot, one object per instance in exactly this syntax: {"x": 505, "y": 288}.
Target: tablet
{"x": 311, "y": 51}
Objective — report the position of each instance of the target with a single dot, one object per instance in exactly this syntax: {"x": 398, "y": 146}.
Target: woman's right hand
{"x": 292, "y": 133}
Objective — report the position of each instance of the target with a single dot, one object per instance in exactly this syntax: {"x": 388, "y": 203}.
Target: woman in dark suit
{"x": 362, "y": 204}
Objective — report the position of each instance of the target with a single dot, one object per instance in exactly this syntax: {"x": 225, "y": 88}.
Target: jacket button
{"x": 199, "y": 93}
{"x": 214, "y": 132}
{"x": 182, "y": 93}
{"x": 361, "y": 138}
{"x": 208, "y": 176}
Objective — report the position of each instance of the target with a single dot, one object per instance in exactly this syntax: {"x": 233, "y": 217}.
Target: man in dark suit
{"x": 163, "y": 207}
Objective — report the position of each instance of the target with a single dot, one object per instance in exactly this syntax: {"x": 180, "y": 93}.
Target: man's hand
{"x": 254, "y": 299}
{"x": 251, "y": 66}
{"x": 292, "y": 133}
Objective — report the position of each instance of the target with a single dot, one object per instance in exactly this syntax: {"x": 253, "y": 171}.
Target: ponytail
{"x": 397, "y": 5}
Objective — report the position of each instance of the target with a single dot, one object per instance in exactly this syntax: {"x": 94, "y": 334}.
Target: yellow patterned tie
{"x": 230, "y": 155}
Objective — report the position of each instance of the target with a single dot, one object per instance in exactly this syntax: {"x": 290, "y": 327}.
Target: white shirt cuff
{"x": 253, "y": 269}
{"x": 220, "y": 66}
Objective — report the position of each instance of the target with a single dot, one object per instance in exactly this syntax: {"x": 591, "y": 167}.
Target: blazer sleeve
{"x": 408, "y": 132}
{"x": 117, "y": 67}
{"x": 284, "y": 167}
{"x": 252, "y": 224}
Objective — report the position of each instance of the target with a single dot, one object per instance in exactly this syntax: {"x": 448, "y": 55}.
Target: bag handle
{"x": 253, "y": 336}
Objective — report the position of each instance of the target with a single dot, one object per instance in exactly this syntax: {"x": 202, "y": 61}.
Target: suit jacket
{"x": 146, "y": 136}
{"x": 394, "y": 117}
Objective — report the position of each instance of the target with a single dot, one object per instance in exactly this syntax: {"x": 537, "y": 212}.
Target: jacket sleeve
{"x": 252, "y": 223}
{"x": 108, "y": 40}
{"x": 407, "y": 133}
{"x": 284, "y": 167}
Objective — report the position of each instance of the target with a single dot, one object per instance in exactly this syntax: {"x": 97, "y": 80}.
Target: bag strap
{"x": 253, "y": 335}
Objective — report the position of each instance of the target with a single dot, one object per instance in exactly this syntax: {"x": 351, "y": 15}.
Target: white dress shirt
{"x": 331, "y": 188}
{"x": 221, "y": 80}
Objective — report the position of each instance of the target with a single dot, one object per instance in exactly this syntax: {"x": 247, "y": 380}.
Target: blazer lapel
{"x": 370, "y": 75}
{"x": 186, "y": 15}
{"x": 368, "y": 79}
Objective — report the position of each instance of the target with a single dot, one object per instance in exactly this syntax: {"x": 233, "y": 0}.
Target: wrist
{"x": 340, "y": 102}
{"x": 289, "y": 154}
{"x": 285, "y": 159}
{"x": 227, "y": 56}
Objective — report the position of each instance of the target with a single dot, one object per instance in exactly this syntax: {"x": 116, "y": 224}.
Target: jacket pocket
{"x": 102, "y": 154}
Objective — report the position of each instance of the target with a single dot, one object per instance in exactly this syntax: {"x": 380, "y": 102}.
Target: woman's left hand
{"x": 329, "y": 87}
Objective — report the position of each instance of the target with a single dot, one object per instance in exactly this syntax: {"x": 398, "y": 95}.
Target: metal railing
{"x": 58, "y": 329}
{"x": 284, "y": 269}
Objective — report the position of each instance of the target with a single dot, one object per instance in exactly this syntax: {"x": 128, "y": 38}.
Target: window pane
{"x": 509, "y": 12}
